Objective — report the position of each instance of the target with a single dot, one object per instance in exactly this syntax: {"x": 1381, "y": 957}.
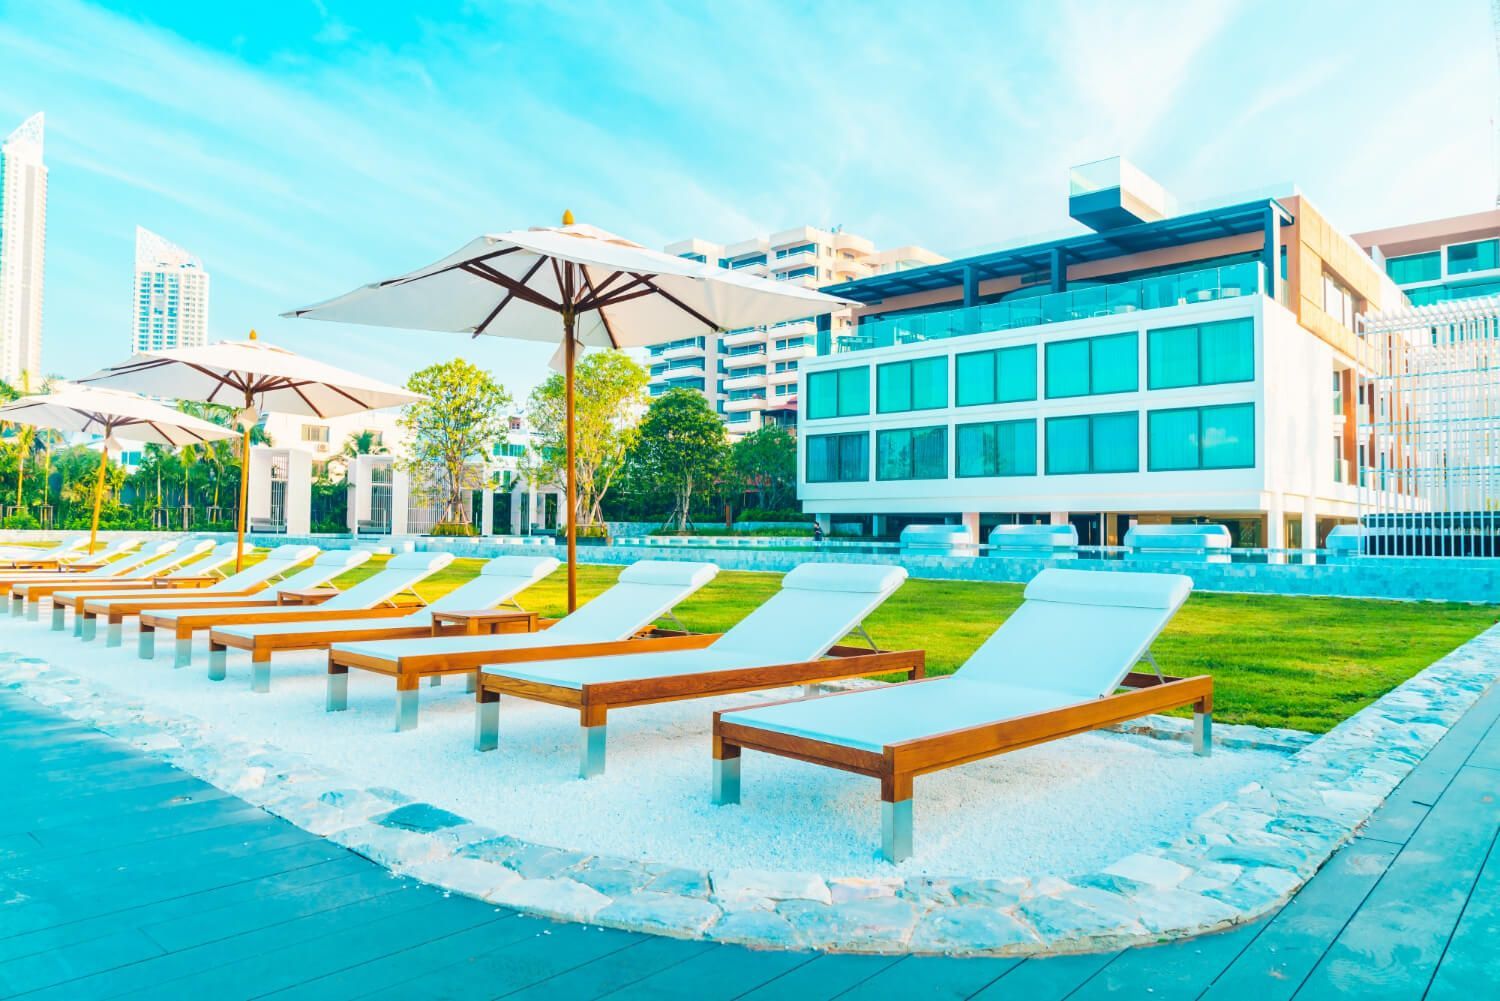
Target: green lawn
{"x": 1305, "y": 663}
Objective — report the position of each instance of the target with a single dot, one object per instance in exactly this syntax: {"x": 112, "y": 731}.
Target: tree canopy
{"x": 682, "y": 447}
{"x": 462, "y": 418}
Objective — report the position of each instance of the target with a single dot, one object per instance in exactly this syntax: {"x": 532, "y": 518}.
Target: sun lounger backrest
{"x": 1079, "y": 631}
{"x": 645, "y": 591}
{"x": 326, "y": 567}
{"x": 217, "y": 557}
{"x": 174, "y": 556}
{"x": 818, "y": 604}
{"x": 129, "y": 563}
{"x": 499, "y": 580}
{"x": 108, "y": 555}
{"x": 396, "y": 576}
{"x": 277, "y": 561}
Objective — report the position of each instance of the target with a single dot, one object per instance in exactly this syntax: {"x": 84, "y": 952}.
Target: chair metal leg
{"x": 471, "y": 682}
{"x": 59, "y": 617}
{"x": 591, "y": 756}
{"x": 1203, "y": 734}
{"x": 895, "y": 830}
{"x": 184, "y": 652}
{"x": 16, "y": 605}
{"x": 218, "y": 663}
{"x": 34, "y": 611}
{"x": 487, "y": 725}
{"x": 260, "y": 676}
{"x": 114, "y": 634}
{"x": 407, "y": 702}
{"x": 145, "y": 643}
{"x": 90, "y": 628}
{"x": 726, "y": 781}
{"x": 435, "y": 681}
{"x": 338, "y": 693}
{"x": 808, "y": 690}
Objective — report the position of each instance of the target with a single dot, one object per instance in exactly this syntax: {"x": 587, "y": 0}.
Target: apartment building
{"x": 1159, "y": 367}
{"x": 1441, "y": 260}
{"x": 170, "y": 296}
{"x": 750, "y": 374}
{"x": 23, "y": 250}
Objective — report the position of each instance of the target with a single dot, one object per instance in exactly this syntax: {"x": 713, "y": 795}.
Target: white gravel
{"x": 1058, "y": 809}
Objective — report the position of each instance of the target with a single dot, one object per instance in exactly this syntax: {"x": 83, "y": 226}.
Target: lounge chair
{"x": 618, "y": 621}
{"x": 65, "y": 549}
{"x": 117, "y": 558}
{"x": 499, "y": 581}
{"x": 790, "y": 640}
{"x": 201, "y": 576}
{"x": 1052, "y": 670}
{"x": 374, "y": 597}
{"x": 32, "y": 595}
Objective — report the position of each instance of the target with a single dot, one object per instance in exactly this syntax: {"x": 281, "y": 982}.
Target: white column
{"x": 487, "y": 511}
{"x": 1059, "y": 517}
{"x": 1309, "y": 527}
{"x": 298, "y": 492}
{"x": 400, "y": 489}
{"x": 971, "y": 522}
{"x": 1276, "y": 525}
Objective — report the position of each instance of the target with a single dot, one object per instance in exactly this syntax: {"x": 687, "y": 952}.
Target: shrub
{"x": 769, "y": 514}
{"x": 453, "y": 529}
{"x": 20, "y": 521}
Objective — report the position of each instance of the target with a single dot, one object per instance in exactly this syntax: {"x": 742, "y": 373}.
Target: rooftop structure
{"x": 750, "y": 375}
{"x": 1440, "y": 260}
{"x": 23, "y": 243}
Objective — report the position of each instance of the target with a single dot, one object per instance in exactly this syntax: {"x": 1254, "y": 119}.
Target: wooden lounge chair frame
{"x": 594, "y": 701}
{"x": 896, "y": 765}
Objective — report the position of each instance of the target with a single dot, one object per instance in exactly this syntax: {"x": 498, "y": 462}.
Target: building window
{"x": 912, "y": 454}
{"x": 997, "y": 448}
{"x": 838, "y": 458}
{"x": 1201, "y": 438}
{"x": 844, "y": 392}
{"x": 315, "y": 433}
{"x": 801, "y": 248}
{"x": 1415, "y": 268}
{"x": 1097, "y": 443}
{"x": 1483, "y": 255}
{"x": 912, "y": 385}
{"x": 694, "y": 257}
{"x": 1338, "y": 301}
{"x": 1206, "y": 354}
{"x": 1092, "y": 366}
{"x": 1004, "y": 376}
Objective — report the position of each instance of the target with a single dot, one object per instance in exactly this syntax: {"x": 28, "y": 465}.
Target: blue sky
{"x": 303, "y": 148}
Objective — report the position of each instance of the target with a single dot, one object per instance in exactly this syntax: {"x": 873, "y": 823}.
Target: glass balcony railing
{"x": 1158, "y": 292}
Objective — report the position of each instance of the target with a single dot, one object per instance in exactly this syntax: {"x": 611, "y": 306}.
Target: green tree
{"x": 682, "y": 446}
{"x": 461, "y": 419}
{"x": 609, "y": 393}
{"x": 765, "y": 461}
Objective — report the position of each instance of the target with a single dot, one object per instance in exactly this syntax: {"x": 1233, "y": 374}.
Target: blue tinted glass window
{"x": 1116, "y": 443}
{"x": 1067, "y": 445}
{"x": 893, "y": 387}
{"x": 1067, "y": 369}
{"x": 912, "y": 385}
{"x": 1172, "y": 439}
{"x": 822, "y": 395}
{"x": 1112, "y": 364}
{"x": 1227, "y": 351}
{"x": 1228, "y": 437}
{"x": 999, "y": 448}
{"x": 1202, "y": 438}
{"x": 1017, "y": 373}
{"x": 912, "y": 454}
{"x": 843, "y": 392}
{"x": 838, "y": 458}
{"x": 1006, "y": 375}
{"x": 975, "y": 375}
{"x": 1479, "y": 256}
{"x": 1172, "y": 357}
{"x": 1415, "y": 268}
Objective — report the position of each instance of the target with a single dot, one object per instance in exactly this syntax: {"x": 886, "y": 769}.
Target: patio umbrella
{"x": 579, "y": 285}
{"x": 107, "y": 412}
{"x": 256, "y": 378}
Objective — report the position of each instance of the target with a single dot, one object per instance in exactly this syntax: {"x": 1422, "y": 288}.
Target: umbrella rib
{"x": 509, "y": 295}
{"x": 562, "y": 291}
{"x": 406, "y": 279}
{"x": 608, "y": 297}
{"x": 679, "y": 303}
{"x": 599, "y": 307}
{"x": 523, "y": 292}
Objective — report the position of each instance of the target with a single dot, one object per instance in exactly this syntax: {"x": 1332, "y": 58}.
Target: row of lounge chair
{"x": 1064, "y": 663}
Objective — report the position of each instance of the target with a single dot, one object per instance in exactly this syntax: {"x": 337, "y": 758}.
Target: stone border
{"x": 1236, "y": 862}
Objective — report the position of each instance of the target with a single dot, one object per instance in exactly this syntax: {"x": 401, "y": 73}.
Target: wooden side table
{"x": 484, "y": 622}
{"x": 306, "y": 596}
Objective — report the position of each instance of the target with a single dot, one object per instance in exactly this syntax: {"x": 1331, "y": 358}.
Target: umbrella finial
{"x": 567, "y": 217}
{"x": 253, "y": 335}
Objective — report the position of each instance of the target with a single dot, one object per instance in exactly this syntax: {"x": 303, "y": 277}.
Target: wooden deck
{"x": 123, "y": 877}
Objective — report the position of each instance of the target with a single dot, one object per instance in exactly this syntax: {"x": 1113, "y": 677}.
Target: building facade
{"x": 1162, "y": 368}
{"x": 750, "y": 375}
{"x": 171, "y": 296}
{"x": 1441, "y": 260}
{"x": 23, "y": 247}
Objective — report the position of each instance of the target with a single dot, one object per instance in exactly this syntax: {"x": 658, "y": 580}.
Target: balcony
{"x": 745, "y": 354}
{"x": 733, "y": 382}
{"x": 683, "y": 351}
{"x": 752, "y": 401}
{"x": 781, "y": 378}
{"x": 738, "y": 338}
{"x": 682, "y": 370}
{"x": 1160, "y": 292}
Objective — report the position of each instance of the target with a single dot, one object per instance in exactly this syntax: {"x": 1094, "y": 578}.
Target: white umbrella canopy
{"x": 255, "y": 378}
{"x": 578, "y": 285}
{"x": 113, "y": 414}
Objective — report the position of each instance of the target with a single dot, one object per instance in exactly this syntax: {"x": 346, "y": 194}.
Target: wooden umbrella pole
{"x": 98, "y": 497}
{"x": 239, "y": 542}
{"x": 572, "y": 476}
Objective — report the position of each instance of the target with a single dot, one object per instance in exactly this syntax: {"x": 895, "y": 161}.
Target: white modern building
{"x": 23, "y": 245}
{"x": 750, "y": 374}
{"x": 1160, "y": 368}
{"x": 171, "y": 295}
